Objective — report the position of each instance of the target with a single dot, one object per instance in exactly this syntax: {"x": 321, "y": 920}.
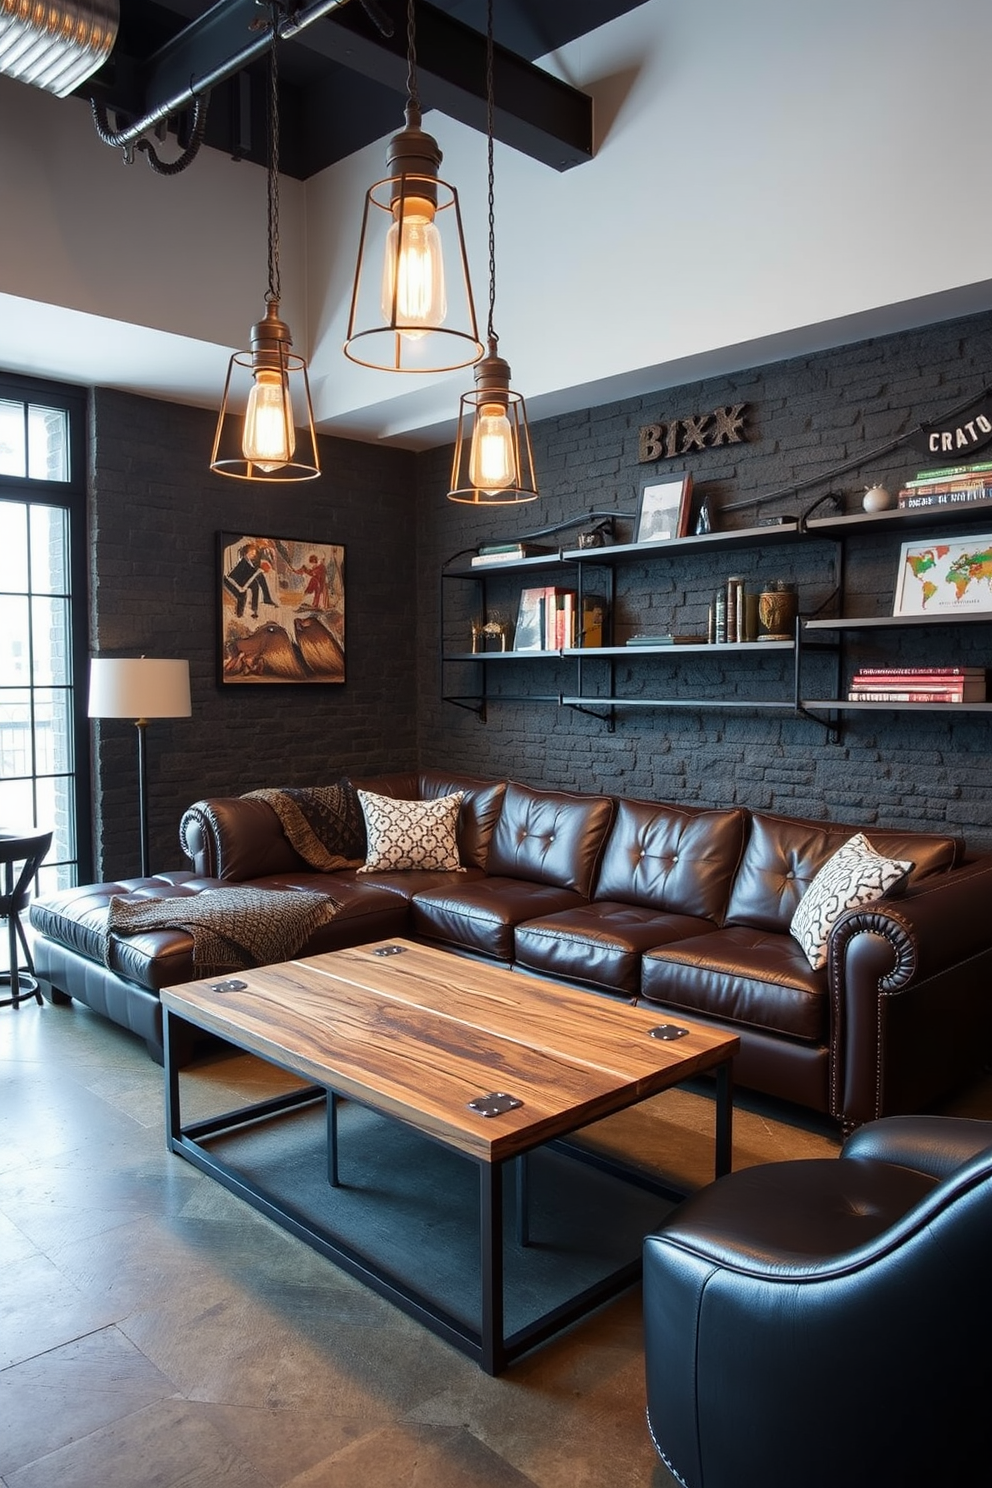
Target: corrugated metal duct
{"x": 56, "y": 46}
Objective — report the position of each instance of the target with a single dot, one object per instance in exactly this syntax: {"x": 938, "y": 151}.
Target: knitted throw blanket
{"x": 232, "y": 928}
{"x": 324, "y": 824}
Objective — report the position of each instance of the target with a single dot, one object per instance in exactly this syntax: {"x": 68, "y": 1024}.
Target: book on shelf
{"x": 915, "y": 695}
{"x": 873, "y": 673}
{"x": 545, "y": 619}
{"x": 970, "y": 496}
{"x": 947, "y": 472}
{"x": 665, "y": 640}
{"x": 529, "y": 632}
{"x": 593, "y": 621}
{"x": 509, "y": 553}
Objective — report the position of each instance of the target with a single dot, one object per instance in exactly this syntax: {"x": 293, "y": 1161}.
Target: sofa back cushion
{"x": 668, "y": 858}
{"x": 783, "y": 855}
{"x": 481, "y": 801}
{"x": 550, "y": 837}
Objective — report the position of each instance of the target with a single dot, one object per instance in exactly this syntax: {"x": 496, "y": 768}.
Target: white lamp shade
{"x": 139, "y": 687}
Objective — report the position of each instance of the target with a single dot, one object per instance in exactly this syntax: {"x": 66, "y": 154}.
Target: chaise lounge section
{"x": 681, "y": 907}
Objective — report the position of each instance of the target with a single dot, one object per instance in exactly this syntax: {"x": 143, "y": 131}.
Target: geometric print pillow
{"x": 853, "y": 876}
{"x": 410, "y": 834}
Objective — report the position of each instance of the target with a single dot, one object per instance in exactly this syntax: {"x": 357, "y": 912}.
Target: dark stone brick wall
{"x": 155, "y": 510}
{"x": 808, "y": 416}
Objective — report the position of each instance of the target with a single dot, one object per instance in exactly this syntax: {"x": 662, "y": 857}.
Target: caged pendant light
{"x": 493, "y": 463}
{"x": 411, "y": 303}
{"x": 267, "y": 381}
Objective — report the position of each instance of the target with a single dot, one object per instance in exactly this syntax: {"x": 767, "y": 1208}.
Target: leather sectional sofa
{"x": 680, "y": 907}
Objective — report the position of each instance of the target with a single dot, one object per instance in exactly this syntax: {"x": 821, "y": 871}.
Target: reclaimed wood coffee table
{"x": 419, "y": 1034}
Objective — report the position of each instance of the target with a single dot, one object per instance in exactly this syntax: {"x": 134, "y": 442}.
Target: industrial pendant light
{"x": 411, "y": 303}
{"x": 267, "y": 380}
{"x": 493, "y": 463}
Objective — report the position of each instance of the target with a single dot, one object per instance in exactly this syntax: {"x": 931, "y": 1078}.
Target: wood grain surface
{"x": 421, "y": 1033}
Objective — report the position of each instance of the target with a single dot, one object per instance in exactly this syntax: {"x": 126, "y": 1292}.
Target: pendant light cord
{"x": 412, "y": 91}
{"x": 490, "y": 117}
{"x": 274, "y": 292}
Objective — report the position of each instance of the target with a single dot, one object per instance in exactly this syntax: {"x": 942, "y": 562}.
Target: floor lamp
{"x": 139, "y": 688}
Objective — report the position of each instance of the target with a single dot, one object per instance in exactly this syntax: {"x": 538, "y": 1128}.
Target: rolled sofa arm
{"x": 236, "y": 838}
{"x": 910, "y": 998}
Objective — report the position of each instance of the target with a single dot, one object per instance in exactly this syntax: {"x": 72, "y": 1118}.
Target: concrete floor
{"x": 158, "y": 1333}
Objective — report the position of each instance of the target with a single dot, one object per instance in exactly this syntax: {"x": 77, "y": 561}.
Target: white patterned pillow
{"x": 853, "y": 876}
{"x": 410, "y": 834}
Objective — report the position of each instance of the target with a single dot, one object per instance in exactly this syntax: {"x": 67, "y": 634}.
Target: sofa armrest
{"x": 910, "y": 1006}
{"x": 239, "y": 838}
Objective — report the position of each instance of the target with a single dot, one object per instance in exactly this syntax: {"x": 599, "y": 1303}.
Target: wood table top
{"x": 420, "y": 1033}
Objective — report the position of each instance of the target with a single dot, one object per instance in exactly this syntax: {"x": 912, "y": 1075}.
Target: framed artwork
{"x": 945, "y": 577}
{"x": 281, "y": 607}
{"x": 663, "y": 508}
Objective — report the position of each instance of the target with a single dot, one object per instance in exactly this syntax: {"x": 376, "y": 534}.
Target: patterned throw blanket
{"x": 324, "y": 824}
{"x": 232, "y": 928}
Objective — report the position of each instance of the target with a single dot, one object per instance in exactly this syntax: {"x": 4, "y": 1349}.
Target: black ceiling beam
{"x": 535, "y": 113}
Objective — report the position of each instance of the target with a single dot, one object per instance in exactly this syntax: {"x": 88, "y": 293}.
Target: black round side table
{"x": 21, "y": 854}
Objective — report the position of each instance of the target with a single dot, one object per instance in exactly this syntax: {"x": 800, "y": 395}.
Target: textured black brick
{"x": 808, "y": 415}
{"x": 155, "y": 510}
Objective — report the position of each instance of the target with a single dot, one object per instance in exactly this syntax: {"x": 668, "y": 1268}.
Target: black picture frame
{"x": 663, "y": 505}
{"x": 281, "y": 610}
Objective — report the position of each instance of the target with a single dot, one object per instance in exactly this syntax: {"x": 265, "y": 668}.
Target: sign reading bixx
{"x": 699, "y": 431}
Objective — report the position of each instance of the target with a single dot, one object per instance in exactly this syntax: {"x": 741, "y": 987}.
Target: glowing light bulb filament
{"x": 269, "y": 436}
{"x": 413, "y": 270}
{"x": 493, "y": 458}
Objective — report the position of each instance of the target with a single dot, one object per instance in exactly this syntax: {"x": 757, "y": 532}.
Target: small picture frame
{"x": 280, "y": 610}
{"x": 663, "y": 508}
{"x": 947, "y": 576}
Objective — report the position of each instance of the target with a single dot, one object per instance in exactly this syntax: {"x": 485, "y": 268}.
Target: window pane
{"x": 55, "y": 812}
{"x": 49, "y": 549}
{"x": 17, "y": 804}
{"x": 15, "y": 655}
{"x": 15, "y": 733}
{"x": 53, "y": 740}
{"x": 51, "y": 640}
{"x": 14, "y": 546}
{"x": 12, "y": 452}
{"x": 48, "y": 443}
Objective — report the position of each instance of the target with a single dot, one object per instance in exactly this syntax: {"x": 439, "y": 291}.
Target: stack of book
{"x": 953, "y": 485}
{"x": 509, "y": 552}
{"x": 548, "y": 620}
{"x": 964, "y": 684}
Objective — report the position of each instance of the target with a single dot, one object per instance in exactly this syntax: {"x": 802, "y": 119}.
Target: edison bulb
{"x": 413, "y": 270}
{"x": 492, "y": 464}
{"x": 269, "y": 438}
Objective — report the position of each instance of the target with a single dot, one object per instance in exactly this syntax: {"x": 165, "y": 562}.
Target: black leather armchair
{"x": 827, "y": 1322}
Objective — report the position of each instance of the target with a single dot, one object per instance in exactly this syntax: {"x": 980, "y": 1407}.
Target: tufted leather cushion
{"x": 784, "y": 854}
{"x": 669, "y": 859}
{"x": 550, "y": 837}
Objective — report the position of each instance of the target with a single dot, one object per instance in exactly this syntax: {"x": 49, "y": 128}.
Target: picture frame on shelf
{"x": 663, "y": 506}
{"x": 950, "y": 576}
{"x": 280, "y": 604}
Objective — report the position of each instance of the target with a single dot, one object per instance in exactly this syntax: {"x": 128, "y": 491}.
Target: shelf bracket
{"x": 470, "y": 705}
{"x": 609, "y": 718}
{"x": 832, "y": 725}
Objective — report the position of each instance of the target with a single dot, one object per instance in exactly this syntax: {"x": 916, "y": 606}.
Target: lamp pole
{"x": 141, "y": 724}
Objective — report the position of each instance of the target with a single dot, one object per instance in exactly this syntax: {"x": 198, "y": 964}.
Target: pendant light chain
{"x": 490, "y": 117}
{"x": 274, "y": 293}
{"x": 413, "y": 94}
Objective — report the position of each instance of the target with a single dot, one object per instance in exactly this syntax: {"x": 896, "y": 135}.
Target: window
{"x": 43, "y": 731}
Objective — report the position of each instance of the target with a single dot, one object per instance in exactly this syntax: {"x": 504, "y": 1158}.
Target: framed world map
{"x": 943, "y": 577}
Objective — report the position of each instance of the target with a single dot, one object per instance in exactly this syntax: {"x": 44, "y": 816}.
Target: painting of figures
{"x": 281, "y": 609}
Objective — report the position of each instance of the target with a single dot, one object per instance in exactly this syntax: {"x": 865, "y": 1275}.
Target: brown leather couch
{"x": 682, "y": 907}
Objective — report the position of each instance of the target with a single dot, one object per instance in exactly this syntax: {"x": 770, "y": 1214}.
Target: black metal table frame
{"x": 488, "y": 1345}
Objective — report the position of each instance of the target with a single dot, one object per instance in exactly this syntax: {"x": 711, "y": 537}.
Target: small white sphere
{"x": 876, "y": 499}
